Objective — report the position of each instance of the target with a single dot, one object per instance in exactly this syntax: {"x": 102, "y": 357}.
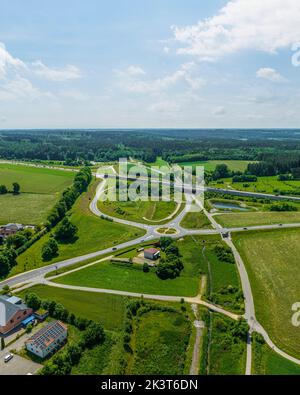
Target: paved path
{"x": 37, "y": 276}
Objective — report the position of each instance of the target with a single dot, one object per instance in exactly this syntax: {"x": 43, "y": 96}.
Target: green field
{"x": 263, "y": 185}
{"x": 105, "y": 308}
{"x": 142, "y": 212}
{"x": 197, "y": 220}
{"x": 160, "y": 343}
{"x": 40, "y": 189}
{"x": 210, "y": 165}
{"x": 272, "y": 262}
{"x": 268, "y": 362}
{"x": 132, "y": 278}
{"x": 94, "y": 234}
{"x": 257, "y": 218}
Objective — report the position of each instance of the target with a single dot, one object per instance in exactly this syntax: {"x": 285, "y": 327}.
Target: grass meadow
{"x": 272, "y": 263}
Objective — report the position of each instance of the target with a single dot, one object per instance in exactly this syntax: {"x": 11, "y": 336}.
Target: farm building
{"x": 48, "y": 339}
{"x": 12, "y": 313}
{"x": 10, "y": 229}
{"x": 152, "y": 253}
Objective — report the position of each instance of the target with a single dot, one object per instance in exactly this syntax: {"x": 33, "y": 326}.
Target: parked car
{"x": 8, "y": 357}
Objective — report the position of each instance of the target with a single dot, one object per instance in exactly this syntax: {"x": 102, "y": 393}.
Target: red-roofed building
{"x": 152, "y": 253}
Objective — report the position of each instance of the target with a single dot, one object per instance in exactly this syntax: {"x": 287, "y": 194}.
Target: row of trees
{"x": 80, "y": 184}
{"x": 65, "y": 231}
{"x": 92, "y": 335}
{"x": 15, "y": 189}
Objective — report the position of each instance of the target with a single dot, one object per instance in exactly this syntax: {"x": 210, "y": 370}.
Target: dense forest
{"x": 277, "y": 150}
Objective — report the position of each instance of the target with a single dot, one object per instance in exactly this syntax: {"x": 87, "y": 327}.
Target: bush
{"x": 49, "y": 249}
{"x": 65, "y": 230}
{"x": 94, "y": 334}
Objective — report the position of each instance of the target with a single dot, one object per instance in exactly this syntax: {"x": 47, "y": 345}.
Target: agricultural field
{"x": 257, "y": 218}
{"x": 160, "y": 343}
{"x": 210, "y": 165}
{"x": 195, "y": 220}
{"x": 272, "y": 263}
{"x": 93, "y": 234}
{"x": 268, "y": 362}
{"x": 40, "y": 189}
{"x": 263, "y": 185}
{"x": 142, "y": 212}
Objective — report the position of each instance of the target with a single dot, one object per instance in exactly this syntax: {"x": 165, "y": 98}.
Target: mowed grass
{"x": 35, "y": 179}
{"x": 210, "y": 165}
{"x": 94, "y": 234}
{"x": 26, "y": 208}
{"x": 40, "y": 189}
{"x": 268, "y": 362}
{"x": 257, "y": 218}
{"x": 143, "y": 212}
{"x": 105, "y": 308}
{"x": 160, "y": 343}
{"x": 195, "y": 220}
{"x": 272, "y": 262}
{"x": 132, "y": 278}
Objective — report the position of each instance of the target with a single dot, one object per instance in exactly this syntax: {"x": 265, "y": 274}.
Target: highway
{"x": 37, "y": 276}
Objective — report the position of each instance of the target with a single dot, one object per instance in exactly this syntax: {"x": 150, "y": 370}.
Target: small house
{"x": 152, "y": 253}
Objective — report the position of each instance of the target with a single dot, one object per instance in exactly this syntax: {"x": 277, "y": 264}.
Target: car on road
{"x": 8, "y": 357}
{"x": 114, "y": 249}
{"x": 245, "y": 228}
{"x": 280, "y": 225}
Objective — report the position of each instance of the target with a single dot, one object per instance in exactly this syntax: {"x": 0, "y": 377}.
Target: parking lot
{"x": 18, "y": 366}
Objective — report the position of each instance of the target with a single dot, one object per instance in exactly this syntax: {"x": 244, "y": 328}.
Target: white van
{"x": 8, "y": 357}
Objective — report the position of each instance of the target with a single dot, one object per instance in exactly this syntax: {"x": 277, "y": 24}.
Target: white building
{"x": 47, "y": 340}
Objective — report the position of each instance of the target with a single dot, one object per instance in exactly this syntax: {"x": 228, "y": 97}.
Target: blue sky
{"x": 149, "y": 63}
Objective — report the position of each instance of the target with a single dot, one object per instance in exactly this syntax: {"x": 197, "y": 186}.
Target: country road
{"x": 37, "y": 276}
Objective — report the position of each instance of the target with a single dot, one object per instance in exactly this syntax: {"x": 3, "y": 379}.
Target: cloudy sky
{"x": 149, "y": 63}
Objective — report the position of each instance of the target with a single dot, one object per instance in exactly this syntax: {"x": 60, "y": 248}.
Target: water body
{"x": 229, "y": 206}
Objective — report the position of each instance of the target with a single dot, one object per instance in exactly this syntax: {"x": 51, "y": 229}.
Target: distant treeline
{"x": 81, "y": 146}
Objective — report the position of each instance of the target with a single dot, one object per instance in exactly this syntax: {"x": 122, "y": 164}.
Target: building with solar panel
{"x": 48, "y": 339}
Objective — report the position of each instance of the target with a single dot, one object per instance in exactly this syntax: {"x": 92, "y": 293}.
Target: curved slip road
{"x": 37, "y": 276}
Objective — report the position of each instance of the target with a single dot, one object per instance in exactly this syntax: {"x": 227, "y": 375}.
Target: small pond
{"x": 228, "y": 206}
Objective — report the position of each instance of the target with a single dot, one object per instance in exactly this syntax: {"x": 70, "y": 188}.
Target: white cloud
{"x": 270, "y": 74}
{"x": 184, "y": 74}
{"x": 7, "y": 61}
{"x": 219, "y": 111}
{"x": 21, "y": 88}
{"x": 268, "y": 25}
{"x": 3, "y": 119}
{"x": 166, "y": 50}
{"x": 69, "y": 72}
